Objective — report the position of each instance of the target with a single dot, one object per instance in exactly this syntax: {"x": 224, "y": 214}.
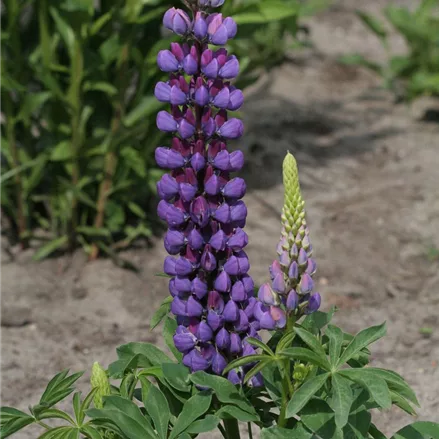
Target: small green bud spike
{"x": 99, "y": 380}
{"x": 293, "y": 213}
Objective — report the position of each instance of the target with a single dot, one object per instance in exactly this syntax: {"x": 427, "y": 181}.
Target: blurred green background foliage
{"x": 415, "y": 73}
{"x": 78, "y": 128}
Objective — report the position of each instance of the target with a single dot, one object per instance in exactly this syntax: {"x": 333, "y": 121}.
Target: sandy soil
{"x": 369, "y": 172}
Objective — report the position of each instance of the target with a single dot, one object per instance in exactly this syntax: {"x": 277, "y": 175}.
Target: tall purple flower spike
{"x": 212, "y": 291}
{"x": 290, "y": 294}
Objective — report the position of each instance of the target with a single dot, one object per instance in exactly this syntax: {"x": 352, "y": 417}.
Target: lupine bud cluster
{"x": 212, "y": 291}
{"x": 291, "y": 289}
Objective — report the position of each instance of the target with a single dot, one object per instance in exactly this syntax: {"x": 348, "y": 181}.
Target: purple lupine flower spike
{"x": 201, "y": 203}
{"x": 291, "y": 291}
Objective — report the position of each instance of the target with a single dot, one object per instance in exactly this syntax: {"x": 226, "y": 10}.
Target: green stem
{"x": 110, "y": 160}
{"x": 74, "y": 98}
{"x": 250, "y": 432}
{"x": 232, "y": 428}
{"x": 223, "y": 432}
{"x": 282, "y": 415}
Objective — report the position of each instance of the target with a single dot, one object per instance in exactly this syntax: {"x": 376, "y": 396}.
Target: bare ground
{"x": 370, "y": 175}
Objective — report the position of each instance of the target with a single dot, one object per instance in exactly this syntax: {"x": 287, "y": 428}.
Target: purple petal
{"x": 190, "y": 65}
{"x": 162, "y": 92}
{"x": 220, "y": 37}
{"x": 221, "y": 100}
{"x": 313, "y": 303}
{"x": 199, "y": 211}
{"x": 200, "y": 27}
{"x": 232, "y": 129}
{"x": 231, "y": 311}
{"x": 238, "y": 293}
{"x": 178, "y": 307}
{"x": 292, "y": 300}
{"x": 202, "y": 96}
{"x": 199, "y": 288}
{"x": 235, "y": 347}
{"x": 165, "y": 122}
{"x": 230, "y": 69}
{"x": 238, "y": 240}
{"x": 183, "y": 284}
{"x": 235, "y": 188}
{"x": 222, "y": 339}
{"x": 195, "y": 239}
{"x": 219, "y": 363}
{"x": 169, "y": 266}
{"x": 222, "y": 161}
{"x": 194, "y": 308}
{"x": 198, "y": 162}
{"x": 236, "y": 160}
{"x": 223, "y": 282}
{"x": 177, "y": 97}
{"x": 306, "y": 284}
{"x": 212, "y": 185}
{"x": 267, "y": 296}
{"x": 231, "y": 27}
{"x": 215, "y": 320}
{"x": 204, "y": 332}
{"x": 167, "y": 62}
{"x": 236, "y": 100}
{"x": 218, "y": 240}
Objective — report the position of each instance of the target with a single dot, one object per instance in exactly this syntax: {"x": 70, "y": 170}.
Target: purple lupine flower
{"x": 201, "y": 203}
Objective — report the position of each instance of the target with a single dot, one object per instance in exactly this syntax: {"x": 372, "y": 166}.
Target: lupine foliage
{"x": 78, "y": 114}
{"x": 416, "y": 73}
{"x": 309, "y": 380}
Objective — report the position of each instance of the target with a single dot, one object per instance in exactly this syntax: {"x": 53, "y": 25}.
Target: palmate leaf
{"x": 275, "y": 432}
{"x": 245, "y": 360}
{"x": 58, "y": 388}
{"x": 126, "y": 416}
{"x": 158, "y": 408}
{"x": 192, "y": 410}
{"x": 161, "y": 313}
{"x": 61, "y": 433}
{"x": 306, "y": 355}
{"x": 224, "y": 390}
{"x": 335, "y": 336}
{"x": 342, "y": 398}
{"x": 209, "y": 423}
{"x": 373, "y": 383}
{"x": 419, "y": 430}
{"x": 361, "y": 340}
{"x": 305, "y": 392}
{"x": 177, "y": 375}
{"x": 315, "y": 345}
{"x": 258, "y": 343}
{"x": 13, "y": 420}
{"x": 231, "y": 411}
{"x": 168, "y": 334}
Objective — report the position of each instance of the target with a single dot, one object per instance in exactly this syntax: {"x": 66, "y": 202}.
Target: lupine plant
{"x": 309, "y": 380}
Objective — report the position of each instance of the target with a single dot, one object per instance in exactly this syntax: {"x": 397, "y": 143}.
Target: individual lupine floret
{"x": 291, "y": 289}
{"x": 200, "y": 201}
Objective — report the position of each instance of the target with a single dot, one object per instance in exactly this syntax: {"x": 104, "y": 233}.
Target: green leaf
{"x": 245, "y": 360}
{"x": 402, "y": 403}
{"x": 224, "y": 390}
{"x": 55, "y": 414}
{"x": 318, "y": 320}
{"x": 90, "y": 432}
{"x": 126, "y": 416}
{"x": 258, "y": 343}
{"x": 396, "y": 383}
{"x": 147, "y": 106}
{"x": 104, "y": 87}
{"x": 194, "y": 407}
{"x": 149, "y": 355}
{"x": 256, "y": 369}
{"x": 158, "y": 408}
{"x": 134, "y": 160}
{"x": 62, "y": 152}
{"x": 419, "y": 430}
{"x": 94, "y": 231}
{"x": 307, "y": 355}
{"x": 319, "y": 418}
{"x": 335, "y": 336}
{"x": 50, "y": 247}
{"x": 359, "y": 60}
{"x": 13, "y": 420}
{"x": 375, "y": 385}
{"x": 361, "y": 340}
{"x": 342, "y": 398}
{"x": 58, "y": 388}
{"x": 209, "y": 423}
{"x": 273, "y": 383}
{"x": 314, "y": 344}
{"x": 305, "y": 392}
{"x": 373, "y": 24}
{"x": 64, "y": 30}
{"x": 160, "y": 314}
{"x": 375, "y": 433}
{"x": 177, "y": 375}
{"x": 136, "y": 209}
{"x": 231, "y": 411}
{"x": 168, "y": 334}
{"x": 275, "y": 432}
{"x": 63, "y": 432}
{"x": 285, "y": 341}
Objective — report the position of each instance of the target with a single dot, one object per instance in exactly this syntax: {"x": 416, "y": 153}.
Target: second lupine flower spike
{"x": 291, "y": 290}
{"x": 201, "y": 203}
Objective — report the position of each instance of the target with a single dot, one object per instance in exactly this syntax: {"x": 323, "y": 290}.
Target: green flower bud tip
{"x": 99, "y": 380}
{"x": 293, "y": 213}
